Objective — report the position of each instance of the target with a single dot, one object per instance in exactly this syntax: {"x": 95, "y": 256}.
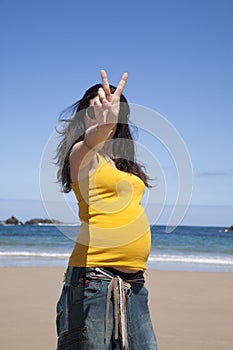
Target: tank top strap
{"x": 101, "y": 159}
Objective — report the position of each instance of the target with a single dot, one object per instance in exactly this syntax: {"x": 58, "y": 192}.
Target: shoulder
{"x": 75, "y": 148}
{"x": 82, "y": 161}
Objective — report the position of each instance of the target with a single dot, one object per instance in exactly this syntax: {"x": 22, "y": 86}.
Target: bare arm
{"x": 106, "y": 106}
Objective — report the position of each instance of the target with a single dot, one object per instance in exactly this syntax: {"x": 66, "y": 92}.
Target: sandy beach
{"x": 190, "y": 310}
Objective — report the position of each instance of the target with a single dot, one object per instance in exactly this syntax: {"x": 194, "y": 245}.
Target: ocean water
{"x": 186, "y": 248}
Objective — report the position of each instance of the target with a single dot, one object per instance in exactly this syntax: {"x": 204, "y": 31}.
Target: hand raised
{"x": 107, "y": 110}
{"x": 119, "y": 90}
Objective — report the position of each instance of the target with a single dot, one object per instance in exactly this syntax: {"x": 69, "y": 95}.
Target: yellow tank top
{"x": 114, "y": 230}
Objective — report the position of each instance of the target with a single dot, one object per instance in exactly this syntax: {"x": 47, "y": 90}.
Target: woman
{"x": 104, "y": 303}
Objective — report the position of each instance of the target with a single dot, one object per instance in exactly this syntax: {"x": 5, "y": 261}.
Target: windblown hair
{"x": 74, "y": 129}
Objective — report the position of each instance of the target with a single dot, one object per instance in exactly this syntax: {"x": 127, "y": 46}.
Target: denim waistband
{"x": 73, "y": 273}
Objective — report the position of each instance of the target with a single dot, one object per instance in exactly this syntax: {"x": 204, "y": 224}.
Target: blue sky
{"x": 179, "y": 58}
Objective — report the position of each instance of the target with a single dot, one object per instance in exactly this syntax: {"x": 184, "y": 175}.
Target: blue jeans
{"x": 81, "y": 314}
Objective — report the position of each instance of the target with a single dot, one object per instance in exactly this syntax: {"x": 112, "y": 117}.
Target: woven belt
{"x": 117, "y": 287}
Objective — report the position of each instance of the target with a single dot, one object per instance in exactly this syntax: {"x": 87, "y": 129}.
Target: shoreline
{"x": 186, "y": 249}
{"x": 190, "y": 310}
{"x": 27, "y": 262}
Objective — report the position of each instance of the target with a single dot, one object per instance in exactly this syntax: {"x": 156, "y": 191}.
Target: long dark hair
{"x": 74, "y": 130}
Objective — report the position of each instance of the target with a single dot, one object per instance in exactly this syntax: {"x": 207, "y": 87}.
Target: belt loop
{"x": 68, "y": 274}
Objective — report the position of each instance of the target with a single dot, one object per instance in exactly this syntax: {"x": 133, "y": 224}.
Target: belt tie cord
{"x": 116, "y": 288}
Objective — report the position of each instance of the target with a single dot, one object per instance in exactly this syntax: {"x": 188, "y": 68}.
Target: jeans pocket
{"x": 85, "y": 291}
{"x": 69, "y": 340}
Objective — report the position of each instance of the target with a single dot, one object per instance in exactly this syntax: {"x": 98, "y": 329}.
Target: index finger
{"x": 121, "y": 85}
{"x": 105, "y": 84}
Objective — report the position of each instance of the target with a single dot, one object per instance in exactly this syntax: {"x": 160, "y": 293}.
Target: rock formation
{"x": 37, "y": 221}
{"x": 12, "y": 221}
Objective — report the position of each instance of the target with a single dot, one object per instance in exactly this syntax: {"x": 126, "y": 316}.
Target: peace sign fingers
{"x": 121, "y": 86}
{"x": 110, "y": 103}
{"x": 105, "y": 84}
